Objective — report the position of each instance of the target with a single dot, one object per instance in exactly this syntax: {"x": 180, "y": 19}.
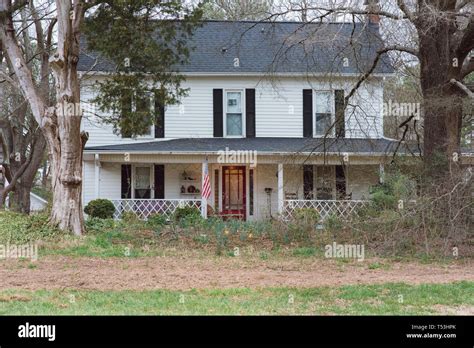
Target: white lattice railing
{"x": 143, "y": 208}
{"x": 343, "y": 208}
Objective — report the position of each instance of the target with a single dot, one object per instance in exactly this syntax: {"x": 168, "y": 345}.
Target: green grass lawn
{"x": 357, "y": 299}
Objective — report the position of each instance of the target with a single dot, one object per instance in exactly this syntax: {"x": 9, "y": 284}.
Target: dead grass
{"x": 196, "y": 270}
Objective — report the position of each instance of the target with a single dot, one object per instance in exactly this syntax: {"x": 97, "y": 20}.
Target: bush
{"x": 381, "y": 200}
{"x": 186, "y": 214}
{"x": 18, "y": 228}
{"x": 333, "y": 223}
{"x": 156, "y": 221}
{"x": 99, "y": 225}
{"x": 129, "y": 217}
{"x": 100, "y": 208}
{"x": 306, "y": 215}
{"x": 397, "y": 187}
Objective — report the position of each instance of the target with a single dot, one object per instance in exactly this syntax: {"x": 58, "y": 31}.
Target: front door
{"x": 233, "y": 192}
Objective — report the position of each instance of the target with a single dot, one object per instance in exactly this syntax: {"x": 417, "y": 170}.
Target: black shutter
{"x": 308, "y": 181}
{"x": 160, "y": 117}
{"x": 126, "y": 181}
{"x": 159, "y": 181}
{"x": 339, "y": 108}
{"x": 126, "y": 108}
{"x": 307, "y": 113}
{"x": 340, "y": 182}
{"x": 218, "y": 113}
{"x": 250, "y": 112}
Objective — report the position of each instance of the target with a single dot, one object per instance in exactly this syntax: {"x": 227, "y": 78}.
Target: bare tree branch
{"x": 465, "y": 41}
{"x": 467, "y": 68}
{"x": 463, "y": 88}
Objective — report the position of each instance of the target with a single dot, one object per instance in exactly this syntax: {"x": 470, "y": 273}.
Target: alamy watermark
{"x": 392, "y": 108}
{"x": 351, "y": 251}
{"x": 68, "y": 109}
{"x": 37, "y": 331}
{"x": 14, "y": 251}
{"x": 237, "y": 157}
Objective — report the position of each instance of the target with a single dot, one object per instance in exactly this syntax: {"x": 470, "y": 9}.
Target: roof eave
{"x": 216, "y": 153}
{"x": 252, "y": 74}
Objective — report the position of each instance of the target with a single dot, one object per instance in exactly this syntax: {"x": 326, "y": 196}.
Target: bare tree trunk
{"x": 60, "y": 124}
{"x": 442, "y": 103}
{"x": 21, "y": 201}
{"x": 63, "y": 123}
{"x": 66, "y": 175}
{"x": 21, "y": 195}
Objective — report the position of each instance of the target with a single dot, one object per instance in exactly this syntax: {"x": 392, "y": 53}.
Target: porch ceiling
{"x": 264, "y": 146}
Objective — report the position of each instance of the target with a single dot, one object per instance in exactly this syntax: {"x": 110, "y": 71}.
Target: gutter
{"x": 247, "y": 74}
{"x": 215, "y": 153}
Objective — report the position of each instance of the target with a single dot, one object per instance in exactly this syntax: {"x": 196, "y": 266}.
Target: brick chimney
{"x": 372, "y": 6}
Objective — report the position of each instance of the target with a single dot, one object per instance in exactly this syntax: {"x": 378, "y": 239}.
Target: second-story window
{"x": 323, "y": 110}
{"x": 234, "y": 123}
{"x": 140, "y": 106}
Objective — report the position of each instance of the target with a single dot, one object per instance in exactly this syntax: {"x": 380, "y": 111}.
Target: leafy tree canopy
{"x": 146, "y": 40}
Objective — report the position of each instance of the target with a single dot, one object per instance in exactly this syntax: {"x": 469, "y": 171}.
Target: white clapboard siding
{"x": 279, "y": 108}
{"x": 88, "y": 182}
{"x": 110, "y": 183}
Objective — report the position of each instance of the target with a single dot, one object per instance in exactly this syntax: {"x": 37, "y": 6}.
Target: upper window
{"x": 324, "y": 111}
{"x": 233, "y": 117}
{"x": 130, "y": 103}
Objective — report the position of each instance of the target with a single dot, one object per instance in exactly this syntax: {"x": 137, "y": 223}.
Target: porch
{"x": 250, "y": 178}
{"x": 148, "y": 185}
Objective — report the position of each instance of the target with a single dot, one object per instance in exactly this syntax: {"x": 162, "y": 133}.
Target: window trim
{"x": 333, "y": 112}
{"x": 224, "y": 96}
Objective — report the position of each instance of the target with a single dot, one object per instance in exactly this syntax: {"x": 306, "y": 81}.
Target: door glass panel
{"x": 235, "y": 188}
{"x": 234, "y": 185}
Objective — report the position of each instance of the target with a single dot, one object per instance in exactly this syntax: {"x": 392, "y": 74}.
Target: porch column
{"x": 96, "y": 175}
{"x": 205, "y": 172}
{"x": 280, "y": 188}
{"x": 381, "y": 173}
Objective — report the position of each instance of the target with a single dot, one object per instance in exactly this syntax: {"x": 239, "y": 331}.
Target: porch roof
{"x": 264, "y": 146}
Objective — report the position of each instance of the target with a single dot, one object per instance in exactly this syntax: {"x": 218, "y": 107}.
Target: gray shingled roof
{"x": 273, "y": 47}
{"x": 262, "y": 145}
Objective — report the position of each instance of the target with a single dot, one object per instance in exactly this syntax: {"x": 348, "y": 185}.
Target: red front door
{"x": 233, "y": 192}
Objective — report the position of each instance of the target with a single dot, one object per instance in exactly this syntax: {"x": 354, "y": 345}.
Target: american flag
{"x": 206, "y": 184}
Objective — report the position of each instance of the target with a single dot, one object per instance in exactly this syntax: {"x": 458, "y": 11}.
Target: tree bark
{"x": 439, "y": 64}
{"x": 61, "y": 123}
{"x": 21, "y": 195}
{"x": 21, "y": 198}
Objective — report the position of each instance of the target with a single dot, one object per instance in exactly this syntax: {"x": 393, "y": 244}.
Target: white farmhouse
{"x": 263, "y": 117}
